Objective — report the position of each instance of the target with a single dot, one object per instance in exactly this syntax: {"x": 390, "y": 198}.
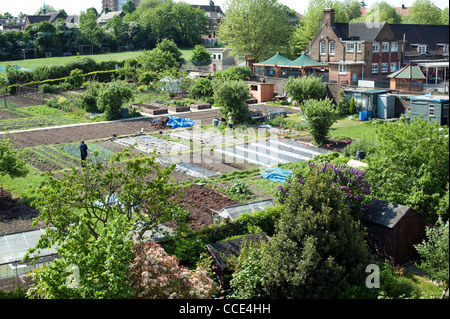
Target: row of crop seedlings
{"x": 54, "y": 158}
{"x": 49, "y": 158}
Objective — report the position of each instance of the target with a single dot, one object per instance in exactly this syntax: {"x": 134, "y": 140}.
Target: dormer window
{"x": 422, "y": 49}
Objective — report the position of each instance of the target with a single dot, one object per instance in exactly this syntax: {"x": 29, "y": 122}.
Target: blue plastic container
{"x": 363, "y": 115}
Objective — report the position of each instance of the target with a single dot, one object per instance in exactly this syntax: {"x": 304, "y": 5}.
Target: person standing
{"x": 230, "y": 120}
{"x": 83, "y": 153}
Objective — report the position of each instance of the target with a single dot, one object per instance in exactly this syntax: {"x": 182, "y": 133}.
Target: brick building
{"x": 116, "y": 5}
{"x": 371, "y": 51}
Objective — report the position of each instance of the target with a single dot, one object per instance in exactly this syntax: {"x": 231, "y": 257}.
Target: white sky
{"x": 75, "y": 6}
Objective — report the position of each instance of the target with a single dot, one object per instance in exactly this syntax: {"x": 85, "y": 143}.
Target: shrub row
{"x": 51, "y": 85}
{"x": 41, "y": 73}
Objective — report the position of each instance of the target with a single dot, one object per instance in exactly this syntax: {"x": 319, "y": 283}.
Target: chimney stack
{"x": 328, "y": 17}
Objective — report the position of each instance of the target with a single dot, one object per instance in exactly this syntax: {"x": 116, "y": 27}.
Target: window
{"x": 375, "y": 47}
{"x": 375, "y": 68}
{"x": 431, "y": 110}
{"x": 394, "y": 46}
{"x": 219, "y": 56}
{"x": 331, "y": 48}
{"x": 384, "y": 67}
{"x": 393, "y": 66}
{"x": 358, "y": 47}
{"x": 422, "y": 49}
{"x": 385, "y": 47}
{"x": 445, "y": 48}
{"x": 322, "y": 47}
{"x": 342, "y": 69}
{"x": 349, "y": 46}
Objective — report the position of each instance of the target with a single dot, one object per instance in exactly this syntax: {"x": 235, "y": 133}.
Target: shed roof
{"x": 430, "y": 97}
{"x": 277, "y": 59}
{"x": 305, "y": 61}
{"x": 385, "y": 213}
{"x": 224, "y": 249}
{"x": 411, "y": 72}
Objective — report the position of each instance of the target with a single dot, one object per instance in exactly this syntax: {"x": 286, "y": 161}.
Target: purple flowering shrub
{"x": 355, "y": 188}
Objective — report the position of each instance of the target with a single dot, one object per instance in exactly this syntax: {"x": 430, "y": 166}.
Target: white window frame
{"x": 445, "y": 48}
{"x": 385, "y": 47}
{"x": 358, "y": 47}
{"x": 322, "y": 47}
{"x": 374, "y": 68}
{"x": 384, "y": 67}
{"x": 394, "y": 47}
{"x": 331, "y": 45}
{"x": 393, "y": 66}
{"x": 376, "y": 47}
{"x": 342, "y": 68}
{"x": 350, "y": 47}
{"x": 422, "y": 49}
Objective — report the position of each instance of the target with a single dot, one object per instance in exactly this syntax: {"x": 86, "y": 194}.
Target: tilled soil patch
{"x": 199, "y": 200}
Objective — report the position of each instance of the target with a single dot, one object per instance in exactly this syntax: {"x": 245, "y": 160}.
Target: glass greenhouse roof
{"x": 14, "y": 246}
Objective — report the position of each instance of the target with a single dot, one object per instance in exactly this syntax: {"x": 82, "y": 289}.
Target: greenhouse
{"x": 13, "y": 247}
{"x": 233, "y": 212}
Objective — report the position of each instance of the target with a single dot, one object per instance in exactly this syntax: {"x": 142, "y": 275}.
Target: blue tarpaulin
{"x": 276, "y": 174}
{"x": 176, "y": 122}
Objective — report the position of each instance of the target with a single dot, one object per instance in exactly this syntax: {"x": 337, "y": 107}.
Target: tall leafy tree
{"x": 308, "y": 27}
{"x": 444, "y": 16}
{"x": 382, "y": 11}
{"x": 44, "y": 37}
{"x": 423, "y": 145}
{"x": 255, "y": 28}
{"x": 91, "y": 32}
{"x": 423, "y": 12}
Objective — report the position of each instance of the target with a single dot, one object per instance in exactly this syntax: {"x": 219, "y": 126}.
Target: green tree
{"x": 111, "y": 98}
{"x": 116, "y": 29}
{"x": 230, "y": 96}
{"x": 255, "y": 28}
{"x": 167, "y": 45}
{"x": 444, "y": 16}
{"x": 382, "y": 11}
{"x": 44, "y": 37}
{"x": 318, "y": 250}
{"x": 423, "y": 12}
{"x": 128, "y": 7}
{"x": 352, "y": 106}
{"x": 148, "y": 77}
{"x": 320, "y": 115}
{"x": 423, "y": 145}
{"x": 157, "y": 60}
{"x": 308, "y": 26}
{"x": 200, "y": 56}
{"x": 91, "y": 32}
{"x": 11, "y": 160}
{"x": 75, "y": 78}
{"x": 201, "y": 89}
{"x": 305, "y": 88}
{"x": 435, "y": 255}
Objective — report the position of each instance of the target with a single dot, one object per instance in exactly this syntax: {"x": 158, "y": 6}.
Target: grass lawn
{"x": 345, "y": 128}
{"x": 32, "y": 63}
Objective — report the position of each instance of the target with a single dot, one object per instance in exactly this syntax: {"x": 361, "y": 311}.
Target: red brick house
{"x": 355, "y": 51}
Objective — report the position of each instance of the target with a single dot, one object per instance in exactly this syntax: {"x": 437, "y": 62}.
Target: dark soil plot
{"x": 21, "y": 100}
{"x": 14, "y": 215}
{"x": 332, "y": 145}
{"x": 8, "y": 115}
{"x": 199, "y": 200}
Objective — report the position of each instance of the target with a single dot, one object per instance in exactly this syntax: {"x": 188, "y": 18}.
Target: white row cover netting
{"x": 233, "y": 212}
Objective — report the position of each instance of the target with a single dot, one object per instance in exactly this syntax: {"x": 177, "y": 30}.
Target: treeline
{"x": 140, "y": 28}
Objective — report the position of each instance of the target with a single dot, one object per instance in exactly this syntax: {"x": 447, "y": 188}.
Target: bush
{"x": 352, "y": 106}
{"x": 75, "y": 79}
{"x": 201, "y": 89}
{"x": 364, "y": 145}
{"x": 305, "y": 88}
{"x": 230, "y": 96}
{"x": 320, "y": 115}
{"x": 343, "y": 105}
{"x": 111, "y": 98}
{"x": 200, "y": 56}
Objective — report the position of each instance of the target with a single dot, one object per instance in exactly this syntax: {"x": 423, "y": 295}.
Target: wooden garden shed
{"x": 393, "y": 230}
{"x": 225, "y": 249}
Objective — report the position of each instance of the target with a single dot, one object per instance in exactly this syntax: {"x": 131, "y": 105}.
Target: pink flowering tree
{"x": 155, "y": 274}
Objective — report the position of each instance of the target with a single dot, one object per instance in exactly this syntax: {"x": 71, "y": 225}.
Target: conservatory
{"x": 13, "y": 247}
{"x": 233, "y": 212}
